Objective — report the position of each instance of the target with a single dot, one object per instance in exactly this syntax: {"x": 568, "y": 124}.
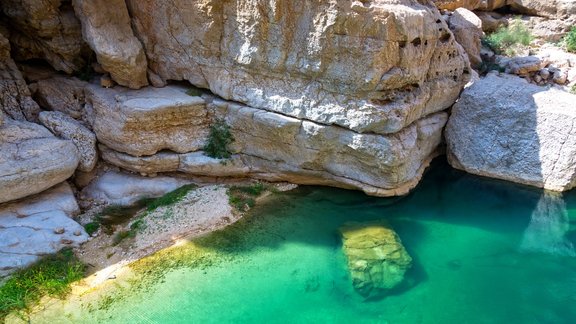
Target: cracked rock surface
{"x": 38, "y": 226}
{"x": 503, "y": 127}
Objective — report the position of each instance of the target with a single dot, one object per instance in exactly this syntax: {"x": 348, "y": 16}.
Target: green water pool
{"x": 484, "y": 251}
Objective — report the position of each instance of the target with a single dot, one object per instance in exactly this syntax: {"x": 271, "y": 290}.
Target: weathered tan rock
{"x": 66, "y": 127}
{"x": 275, "y": 147}
{"x": 523, "y": 65}
{"x": 62, "y": 94}
{"x": 38, "y": 226}
{"x": 377, "y": 261}
{"x": 106, "y": 28}
{"x": 491, "y": 21}
{"x": 544, "y": 8}
{"x": 455, "y": 4}
{"x": 15, "y": 98}
{"x": 467, "y": 29}
{"x": 47, "y": 30}
{"x": 372, "y": 67}
{"x": 503, "y": 127}
{"x": 490, "y": 5}
{"x": 143, "y": 122}
{"x": 32, "y": 159}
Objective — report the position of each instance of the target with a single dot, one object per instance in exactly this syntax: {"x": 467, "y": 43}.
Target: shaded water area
{"x": 484, "y": 251}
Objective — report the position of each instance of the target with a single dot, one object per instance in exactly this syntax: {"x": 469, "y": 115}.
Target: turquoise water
{"x": 484, "y": 251}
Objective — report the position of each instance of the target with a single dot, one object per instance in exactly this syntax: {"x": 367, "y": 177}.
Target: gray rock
{"x": 114, "y": 188}
{"x": 524, "y": 65}
{"x": 62, "y": 94}
{"x": 503, "y": 127}
{"x": 467, "y": 29}
{"x": 68, "y": 128}
{"x": 145, "y": 121}
{"x": 106, "y": 28}
{"x": 32, "y": 159}
{"x": 38, "y": 226}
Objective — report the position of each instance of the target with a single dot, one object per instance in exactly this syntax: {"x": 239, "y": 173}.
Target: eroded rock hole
{"x": 417, "y": 41}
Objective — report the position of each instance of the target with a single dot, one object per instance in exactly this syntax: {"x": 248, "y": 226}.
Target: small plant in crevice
{"x": 242, "y": 198}
{"x": 506, "y": 40}
{"x": 218, "y": 140}
{"x": 50, "y": 276}
{"x": 573, "y": 89}
{"x": 570, "y": 40}
{"x": 194, "y": 92}
{"x": 92, "y": 227}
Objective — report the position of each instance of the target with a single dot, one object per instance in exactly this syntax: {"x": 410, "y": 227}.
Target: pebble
{"x": 66, "y": 241}
{"x": 77, "y": 233}
{"x": 59, "y": 230}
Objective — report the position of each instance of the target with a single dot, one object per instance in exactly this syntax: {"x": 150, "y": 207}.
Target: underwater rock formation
{"x": 377, "y": 261}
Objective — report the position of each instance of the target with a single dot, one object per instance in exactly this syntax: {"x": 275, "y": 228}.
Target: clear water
{"x": 484, "y": 251}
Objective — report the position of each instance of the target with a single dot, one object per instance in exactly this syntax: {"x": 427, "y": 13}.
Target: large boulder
{"x": 106, "y": 28}
{"x": 377, "y": 260}
{"x": 370, "y": 66}
{"x": 143, "y": 122}
{"x": 544, "y": 8}
{"x": 15, "y": 100}
{"x": 38, "y": 226}
{"x": 46, "y": 30}
{"x": 506, "y": 128}
{"x": 467, "y": 29}
{"x": 32, "y": 159}
{"x": 66, "y": 127}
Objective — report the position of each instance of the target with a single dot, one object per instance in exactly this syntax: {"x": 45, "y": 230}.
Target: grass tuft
{"x": 50, "y": 276}
{"x": 194, "y": 92}
{"x": 170, "y": 198}
{"x": 92, "y": 227}
{"x": 242, "y": 198}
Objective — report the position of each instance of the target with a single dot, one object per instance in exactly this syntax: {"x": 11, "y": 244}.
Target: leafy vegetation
{"x": 50, "y": 276}
{"x": 218, "y": 140}
{"x": 505, "y": 40}
{"x": 242, "y": 198}
{"x": 92, "y": 227}
{"x": 570, "y": 40}
{"x": 573, "y": 89}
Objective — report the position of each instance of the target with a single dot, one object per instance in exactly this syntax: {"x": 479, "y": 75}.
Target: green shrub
{"x": 218, "y": 140}
{"x": 50, "y": 276}
{"x": 573, "y": 89}
{"x": 570, "y": 40}
{"x": 170, "y": 198}
{"x": 506, "y": 38}
{"x": 92, "y": 227}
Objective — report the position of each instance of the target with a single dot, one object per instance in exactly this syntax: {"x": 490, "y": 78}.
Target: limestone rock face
{"x": 106, "y": 28}
{"x": 143, "y": 122}
{"x": 503, "y": 127}
{"x": 47, "y": 30}
{"x": 275, "y": 147}
{"x": 371, "y": 66}
{"x": 490, "y": 5}
{"x": 377, "y": 261}
{"x": 15, "y": 100}
{"x": 32, "y": 159}
{"x": 38, "y": 226}
{"x": 545, "y": 8}
{"x": 61, "y": 94}
{"x": 455, "y": 4}
{"x": 123, "y": 189}
{"x": 467, "y": 29}
{"x": 66, "y": 127}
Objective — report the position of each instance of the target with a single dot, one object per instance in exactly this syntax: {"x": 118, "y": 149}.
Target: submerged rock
{"x": 377, "y": 261}
{"x": 38, "y": 226}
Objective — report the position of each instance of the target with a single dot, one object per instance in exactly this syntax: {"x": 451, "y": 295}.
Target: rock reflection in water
{"x": 548, "y": 226}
